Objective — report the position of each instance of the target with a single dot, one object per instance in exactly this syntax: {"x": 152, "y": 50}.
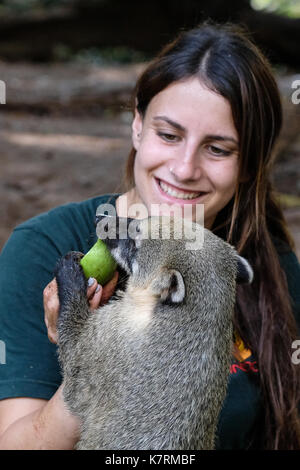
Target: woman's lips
{"x": 175, "y": 199}
{"x": 187, "y": 191}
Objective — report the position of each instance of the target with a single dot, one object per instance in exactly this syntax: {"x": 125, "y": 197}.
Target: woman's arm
{"x": 29, "y": 423}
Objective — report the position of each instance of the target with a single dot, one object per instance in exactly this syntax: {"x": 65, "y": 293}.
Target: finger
{"x": 111, "y": 285}
{"x": 53, "y": 335}
{"x": 94, "y": 301}
{"x": 51, "y": 312}
{"x": 109, "y": 288}
{"x": 50, "y": 289}
{"x": 92, "y": 286}
{"x": 50, "y": 297}
{"x": 51, "y": 308}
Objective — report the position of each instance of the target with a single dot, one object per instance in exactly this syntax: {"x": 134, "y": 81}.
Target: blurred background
{"x": 70, "y": 66}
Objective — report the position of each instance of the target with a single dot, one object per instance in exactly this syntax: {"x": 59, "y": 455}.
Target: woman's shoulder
{"x": 70, "y": 211}
{"x": 71, "y": 221}
{"x": 61, "y": 229}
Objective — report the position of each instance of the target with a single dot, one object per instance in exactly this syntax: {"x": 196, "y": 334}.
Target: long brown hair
{"x": 225, "y": 59}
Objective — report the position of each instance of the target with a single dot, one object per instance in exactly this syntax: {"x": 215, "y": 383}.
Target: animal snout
{"x": 113, "y": 229}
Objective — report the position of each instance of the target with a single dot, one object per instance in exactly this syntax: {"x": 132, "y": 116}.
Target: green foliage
{"x": 283, "y": 7}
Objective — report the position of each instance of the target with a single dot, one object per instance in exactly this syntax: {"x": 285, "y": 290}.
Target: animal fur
{"x": 149, "y": 370}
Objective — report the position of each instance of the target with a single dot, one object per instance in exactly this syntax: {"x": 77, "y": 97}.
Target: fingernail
{"x": 91, "y": 281}
{"x": 98, "y": 288}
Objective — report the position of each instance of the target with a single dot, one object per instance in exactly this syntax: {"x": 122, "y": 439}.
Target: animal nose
{"x": 99, "y": 217}
{"x": 116, "y": 225}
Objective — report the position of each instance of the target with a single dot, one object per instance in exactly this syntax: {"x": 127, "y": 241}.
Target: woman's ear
{"x": 137, "y": 127}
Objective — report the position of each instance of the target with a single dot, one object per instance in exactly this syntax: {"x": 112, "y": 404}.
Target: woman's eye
{"x": 218, "y": 151}
{"x": 168, "y": 137}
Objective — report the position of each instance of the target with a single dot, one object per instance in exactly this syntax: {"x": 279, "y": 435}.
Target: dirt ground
{"x": 65, "y": 136}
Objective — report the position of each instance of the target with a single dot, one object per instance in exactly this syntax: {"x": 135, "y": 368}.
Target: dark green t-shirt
{"x": 31, "y": 367}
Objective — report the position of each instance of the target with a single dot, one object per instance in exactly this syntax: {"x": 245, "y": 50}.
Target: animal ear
{"x": 169, "y": 286}
{"x": 244, "y": 271}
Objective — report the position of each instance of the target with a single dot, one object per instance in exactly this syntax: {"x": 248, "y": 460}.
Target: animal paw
{"x": 70, "y": 278}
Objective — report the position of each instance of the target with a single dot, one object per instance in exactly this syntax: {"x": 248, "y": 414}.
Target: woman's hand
{"x": 97, "y": 295}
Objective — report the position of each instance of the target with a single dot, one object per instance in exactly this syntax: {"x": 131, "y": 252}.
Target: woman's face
{"x": 186, "y": 150}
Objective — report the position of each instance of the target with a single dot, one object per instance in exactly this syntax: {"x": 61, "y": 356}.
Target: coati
{"x": 149, "y": 369}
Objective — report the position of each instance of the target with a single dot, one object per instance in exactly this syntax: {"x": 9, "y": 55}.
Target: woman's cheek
{"x": 151, "y": 155}
{"x": 225, "y": 176}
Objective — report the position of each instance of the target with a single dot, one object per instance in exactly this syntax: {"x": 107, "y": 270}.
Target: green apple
{"x": 99, "y": 263}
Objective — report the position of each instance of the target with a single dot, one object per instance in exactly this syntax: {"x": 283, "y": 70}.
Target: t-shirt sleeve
{"x": 29, "y": 365}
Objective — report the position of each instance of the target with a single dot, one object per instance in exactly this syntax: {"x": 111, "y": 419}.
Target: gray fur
{"x": 149, "y": 370}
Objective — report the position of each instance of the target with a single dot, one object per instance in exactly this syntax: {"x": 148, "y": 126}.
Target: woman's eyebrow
{"x": 171, "y": 122}
{"x": 178, "y": 126}
{"x": 222, "y": 138}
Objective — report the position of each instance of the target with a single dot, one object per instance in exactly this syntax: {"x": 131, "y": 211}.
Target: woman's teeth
{"x": 179, "y": 195}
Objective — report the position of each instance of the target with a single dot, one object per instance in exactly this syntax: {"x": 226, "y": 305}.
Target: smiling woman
{"x": 186, "y": 149}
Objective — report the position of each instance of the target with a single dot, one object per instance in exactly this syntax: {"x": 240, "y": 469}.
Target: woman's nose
{"x": 186, "y": 168}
